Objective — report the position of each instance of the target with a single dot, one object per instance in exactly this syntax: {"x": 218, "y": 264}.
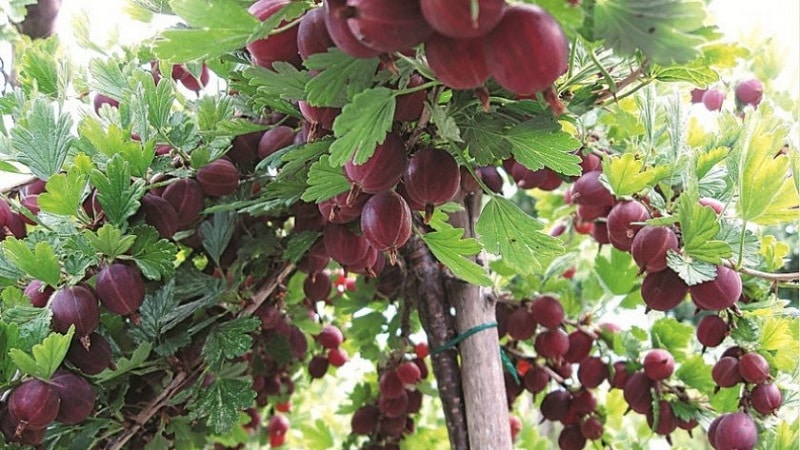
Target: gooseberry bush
{"x": 511, "y": 212}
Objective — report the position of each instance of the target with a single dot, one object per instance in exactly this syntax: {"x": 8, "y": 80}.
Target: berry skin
{"x": 659, "y": 364}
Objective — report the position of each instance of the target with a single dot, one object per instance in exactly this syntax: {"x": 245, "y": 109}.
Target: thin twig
{"x": 779, "y": 277}
{"x": 267, "y": 289}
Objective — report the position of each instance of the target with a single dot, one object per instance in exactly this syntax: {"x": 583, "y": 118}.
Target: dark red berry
{"x": 457, "y": 63}
{"x": 276, "y": 47}
{"x": 754, "y": 368}
{"x": 39, "y": 293}
{"x": 218, "y": 178}
{"x": 713, "y": 99}
{"x": 621, "y": 222}
{"x": 571, "y": 438}
{"x": 720, "y": 293}
{"x": 160, "y": 214}
{"x": 592, "y": 372}
{"x": 649, "y": 247}
{"x": 77, "y": 397}
{"x": 186, "y": 196}
{"x": 318, "y": 366}
{"x": 336, "y": 13}
{"x": 726, "y": 372}
{"x": 766, "y": 398}
{"x": 432, "y": 177}
{"x": 75, "y": 305}
{"x": 330, "y": 337}
{"x": 365, "y": 419}
{"x": 520, "y": 324}
{"x": 711, "y": 330}
{"x": 658, "y": 364}
{"x": 382, "y": 170}
{"x": 388, "y": 25}
{"x": 662, "y": 291}
{"x": 749, "y": 92}
{"x": 93, "y": 359}
{"x": 552, "y": 344}
{"x": 736, "y": 431}
{"x": 456, "y": 19}
{"x": 666, "y": 422}
{"x": 547, "y": 311}
{"x": 526, "y": 30}
{"x": 33, "y": 404}
{"x": 120, "y": 288}
{"x": 556, "y": 404}
{"x": 637, "y": 392}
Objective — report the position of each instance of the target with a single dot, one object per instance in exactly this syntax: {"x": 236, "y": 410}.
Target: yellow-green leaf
{"x": 626, "y": 175}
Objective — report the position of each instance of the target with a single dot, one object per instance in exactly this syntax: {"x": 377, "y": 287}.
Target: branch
{"x": 778, "y": 277}
{"x": 183, "y": 377}
{"x": 608, "y": 93}
{"x": 424, "y": 285}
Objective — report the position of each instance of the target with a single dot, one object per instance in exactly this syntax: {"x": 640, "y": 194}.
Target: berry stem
{"x": 771, "y": 276}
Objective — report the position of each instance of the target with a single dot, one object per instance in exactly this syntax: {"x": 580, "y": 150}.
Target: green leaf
{"x": 695, "y": 373}
{"x": 42, "y": 139}
{"x": 229, "y": 340}
{"x": 37, "y": 68}
{"x": 221, "y": 26}
{"x": 664, "y": 31}
{"x": 47, "y": 356}
{"x": 222, "y": 401}
{"x": 696, "y": 74}
{"x": 317, "y": 435}
{"x": 505, "y": 230}
{"x": 626, "y": 175}
{"x": 153, "y": 313}
{"x": 123, "y": 365}
{"x": 297, "y": 244}
{"x": 63, "y": 193}
{"x": 325, "y": 181}
{"x": 109, "y": 240}
{"x": 446, "y": 126}
{"x": 618, "y": 272}
{"x": 118, "y": 196}
{"x": 217, "y": 233}
{"x": 9, "y": 334}
{"x": 767, "y": 196}
{"x": 40, "y": 263}
{"x": 691, "y": 272}
{"x": 450, "y": 247}
{"x": 284, "y": 81}
{"x": 338, "y": 73}
{"x": 776, "y": 334}
{"x": 485, "y": 135}
{"x": 153, "y": 255}
{"x": 674, "y": 336}
{"x": 114, "y": 140}
{"x": 539, "y": 143}
{"x": 362, "y": 125}
{"x": 108, "y": 78}
{"x": 699, "y": 226}
{"x": 726, "y": 399}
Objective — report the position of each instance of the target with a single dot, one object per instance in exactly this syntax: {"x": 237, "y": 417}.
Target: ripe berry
{"x": 456, "y": 19}
{"x": 620, "y": 222}
{"x": 720, "y": 293}
{"x": 276, "y": 47}
{"x": 592, "y": 428}
{"x": 91, "y": 360}
{"x": 580, "y": 345}
{"x": 343, "y": 245}
{"x": 337, "y": 357}
{"x": 388, "y": 25}
{"x": 526, "y": 30}
{"x": 620, "y": 375}
{"x": 725, "y": 372}
{"x": 161, "y": 214}
{"x": 749, "y": 92}
{"x": 766, "y": 398}
{"x": 754, "y": 368}
{"x": 552, "y": 344}
{"x": 386, "y": 222}
{"x": 33, "y": 404}
{"x": 736, "y": 431}
{"x": 592, "y": 372}
{"x": 75, "y": 305}
{"x": 390, "y": 384}
{"x": 662, "y": 291}
{"x": 637, "y": 392}
{"x": 408, "y": 372}
{"x": 393, "y": 406}
{"x": 382, "y": 170}
{"x": 120, "y": 288}
{"x": 186, "y": 196}
{"x": 77, "y": 397}
{"x": 312, "y": 34}
{"x": 588, "y": 190}
{"x": 432, "y": 177}
{"x": 556, "y": 404}
{"x": 650, "y": 245}
{"x": 571, "y": 438}
{"x": 713, "y": 99}
{"x": 408, "y": 107}
{"x": 659, "y": 364}
{"x": 457, "y": 63}
{"x": 274, "y": 139}
{"x": 330, "y": 337}
{"x": 520, "y": 324}
{"x": 218, "y": 178}
{"x": 39, "y": 293}
{"x": 711, "y": 330}
{"x": 336, "y": 16}
{"x": 318, "y": 366}
{"x": 536, "y": 379}
{"x": 666, "y": 423}
{"x": 317, "y": 287}
{"x": 547, "y": 311}
{"x": 365, "y": 420}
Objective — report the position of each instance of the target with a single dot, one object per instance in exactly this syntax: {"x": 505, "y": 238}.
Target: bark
{"x": 482, "y": 370}
{"x": 425, "y": 287}
{"x": 474, "y": 397}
